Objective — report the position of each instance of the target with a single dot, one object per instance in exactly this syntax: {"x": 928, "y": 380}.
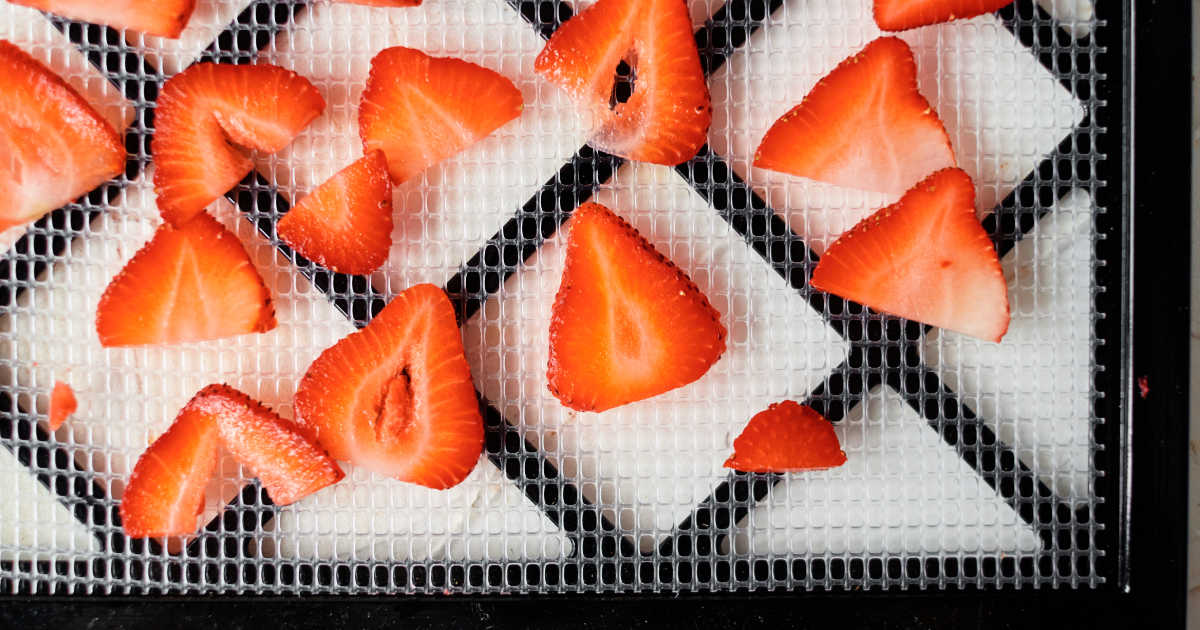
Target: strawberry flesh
{"x": 627, "y": 324}
{"x": 925, "y": 258}
{"x": 152, "y": 17}
{"x": 396, "y": 397}
{"x": 207, "y": 109}
{"x": 345, "y": 224}
{"x": 666, "y": 119}
{"x": 193, "y": 283}
{"x": 53, "y": 146}
{"x": 786, "y": 437}
{"x": 900, "y": 15}
{"x": 62, "y": 405}
{"x": 864, "y": 126}
{"x": 165, "y": 493}
{"x": 289, "y": 464}
{"x": 420, "y": 110}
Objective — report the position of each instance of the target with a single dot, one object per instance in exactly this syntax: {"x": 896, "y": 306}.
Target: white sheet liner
{"x": 901, "y": 491}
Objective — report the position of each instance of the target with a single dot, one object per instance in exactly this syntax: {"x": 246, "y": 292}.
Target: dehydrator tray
{"x": 972, "y": 466}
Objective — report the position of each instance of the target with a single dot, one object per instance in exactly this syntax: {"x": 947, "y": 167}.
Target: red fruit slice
{"x": 62, "y": 404}
{"x": 53, "y": 146}
{"x": 187, "y": 284}
{"x": 153, "y": 17}
{"x": 346, "y": 223}
{"x": 787, "y": 437}
{"x": 666, "y": 119}
{"x": 165, "y": 493}
{"x": 925, "y": 258}
{"x": 204, "y": 111}
{"x": 396, "y": 397}
{"x": 420, "y": 110}
{"x": 627, "y": 324}
{"x": 289, "y": 465}
{"x": 900, "y": 15}
{"x": 864, "y": 125}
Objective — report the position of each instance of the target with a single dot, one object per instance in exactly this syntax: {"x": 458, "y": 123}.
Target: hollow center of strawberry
{"x": 397, "y": 410}
{"x": 624, "y": 82}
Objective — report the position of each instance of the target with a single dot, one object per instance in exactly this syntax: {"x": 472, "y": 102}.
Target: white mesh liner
{"x": 901, "y": 491}
{"x": 647, "y": 464}
{"x": 170, "y": 56}
{"x": 1003, "y": 111}
{"x": 444, "y": 215}
{"x": 31, "y": 32}
{"x": 1034, "y": 387}
{"x": 128, "y": 396}
{"x": 369, "y": 517}
{"x": 1074, "y": 16}
{"x": 34, "y": 524}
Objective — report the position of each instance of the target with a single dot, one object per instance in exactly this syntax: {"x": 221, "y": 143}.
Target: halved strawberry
{"x": 156, "y": 17}
{"x": 165, "y": 493}
{"x": 926, "y": 258}
{"x": 899, "y": 15}
{"x": 53, "y": 146}
{"x": 346, "y": 223}
{"x": 396, "y": 397}
{"x": 290, "y": 465}
{"x": 187, "y": 284}
{"x": 864, "y": 125}
{"x": 62, "y": 404}
{"x": 204, "y": 111}
{"x": 627, "y": 324}
{"x": 420, "y": 110}
{"x": 786, "y": 437}
{"x": 666, "y": 119}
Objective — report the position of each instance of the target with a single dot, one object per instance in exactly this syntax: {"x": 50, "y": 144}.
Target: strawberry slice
{"x": 864, "y": 125}
{"x": 925, "y": 258}
{"x": 187, "y": 284}
{"x": 165, "y": 493}
{"x": 420, "y": 110}
{"x": 62, "y": 404}
{"x": 627, "y": 324}
{"x": 53, "y": 146}
{"x": 666, "y": 119}
{"x": 289, "y": 464}
{"x": 396, "y": 397}
{"x": 346, "y": 223}
{"x": 204, "y": 109}
{"x": 786, "y": 437}
{"x": 157, "y": 17}
{"x": 900, "y": 15}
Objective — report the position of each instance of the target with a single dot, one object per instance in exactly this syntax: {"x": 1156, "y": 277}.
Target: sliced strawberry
{"x": 289, "y": 465}
{"x": 165, "y": 493}
{"x": 396, "y": 397}
{"x": 787, "y": 437}
{"x": 187, "y": 284}
{"x": 627, "y": 324}
{"x": 925, "y": 258}
{"x": 204, "y": 111}
{"x": 420, "y": 110}
{"x": 53, "y": 146}
{"x": 155, "y": 17}
{"x": 666, "y": 119}
{"x": 346, "y": 223}
{"x": 62, "y": 404}
{"x": 900, "y": 15}
{"x": 864, "y": 125}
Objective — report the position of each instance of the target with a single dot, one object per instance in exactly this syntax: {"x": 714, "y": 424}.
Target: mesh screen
{"x": 969, "y": 463}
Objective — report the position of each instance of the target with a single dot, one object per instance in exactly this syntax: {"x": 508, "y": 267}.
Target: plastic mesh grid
{"x": 1001, "y": 491}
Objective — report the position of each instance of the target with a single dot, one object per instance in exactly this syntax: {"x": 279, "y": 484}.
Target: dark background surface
{"x": 1156, "y": 547}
